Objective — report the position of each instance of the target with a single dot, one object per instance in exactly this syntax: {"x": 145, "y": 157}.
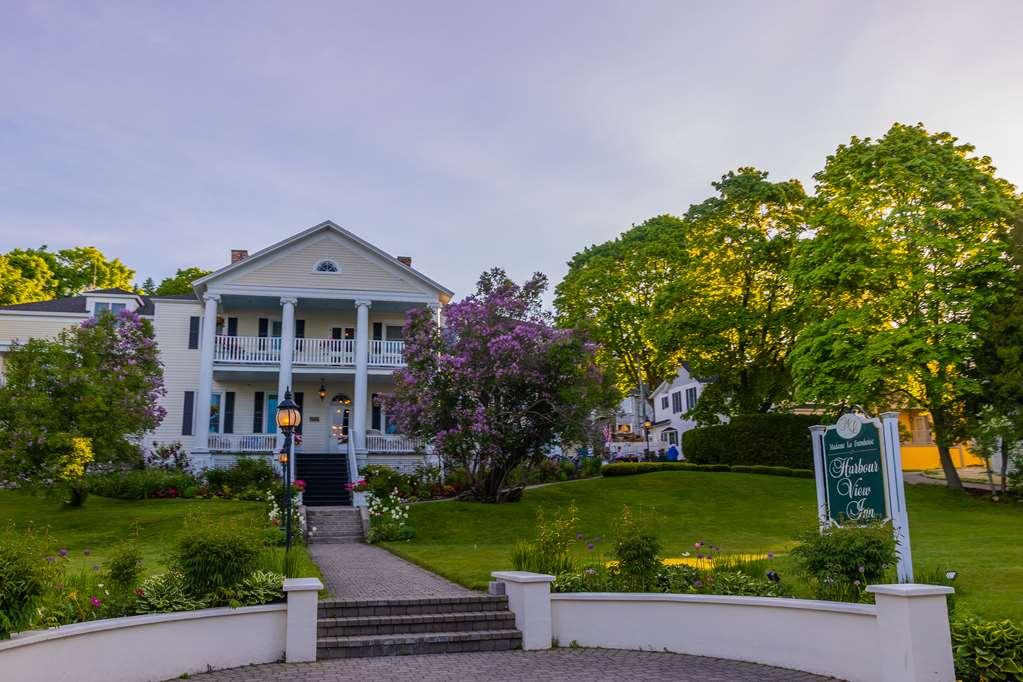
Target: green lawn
{"x": 103, "y": 523}
{"x": 738, "y": 512}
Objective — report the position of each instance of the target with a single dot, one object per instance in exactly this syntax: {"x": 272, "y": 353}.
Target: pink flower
{"x": 96, "y": 603}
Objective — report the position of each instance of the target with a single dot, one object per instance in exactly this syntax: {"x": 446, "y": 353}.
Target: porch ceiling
{"x": 231, "y": 302}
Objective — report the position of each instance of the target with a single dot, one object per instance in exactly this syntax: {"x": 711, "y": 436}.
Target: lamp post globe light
{"x": 288, "y": 417}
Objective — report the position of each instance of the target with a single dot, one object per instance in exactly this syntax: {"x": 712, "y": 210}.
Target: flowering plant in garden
{"x": 274, "y": 501}
{"x": 388, "y": 517}
{"x": 499, "y": 384}
{"x": 87, "y": 396}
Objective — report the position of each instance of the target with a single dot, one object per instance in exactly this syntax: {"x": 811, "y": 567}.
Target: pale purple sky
{"x": 466, "y": 134}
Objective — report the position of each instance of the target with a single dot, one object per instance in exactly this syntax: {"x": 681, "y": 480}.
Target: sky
{"x": 464, "y": 134}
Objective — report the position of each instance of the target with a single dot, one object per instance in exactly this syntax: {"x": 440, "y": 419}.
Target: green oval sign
{"x": 854, "y": 472}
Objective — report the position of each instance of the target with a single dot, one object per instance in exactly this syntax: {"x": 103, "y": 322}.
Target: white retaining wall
{"x": 166, "y": 645}
{"x": 904, "y": 637}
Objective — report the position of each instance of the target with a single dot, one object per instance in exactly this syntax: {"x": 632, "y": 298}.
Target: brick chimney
{"x": 239, "y": 254}
{"x": 407, "y": 260}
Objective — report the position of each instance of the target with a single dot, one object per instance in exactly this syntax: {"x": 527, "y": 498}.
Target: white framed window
{"x": 664, "y": 402}
{"x": 216, "y": 414}
{"x": 101, "y": 307}
{"x": 676, "y": 402}
{"x": 327, "y": 267}
{"x": 669, "y": 436}
{"x": 922, "y": 429}
{"x": 690, "y": 398}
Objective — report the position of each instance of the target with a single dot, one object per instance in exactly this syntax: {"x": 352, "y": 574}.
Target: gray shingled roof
{"x": 77, "y": 304}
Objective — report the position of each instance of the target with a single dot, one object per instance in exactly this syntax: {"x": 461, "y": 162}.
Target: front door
{"x": 340, "y": 414}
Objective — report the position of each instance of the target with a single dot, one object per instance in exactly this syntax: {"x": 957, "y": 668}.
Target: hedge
{"x": 634, "y": 468}
{"x": 753, "y": 440}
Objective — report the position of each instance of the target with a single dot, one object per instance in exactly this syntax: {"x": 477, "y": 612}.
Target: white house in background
{"x": 320, "y": 313}
{"x": 672, "y": 399}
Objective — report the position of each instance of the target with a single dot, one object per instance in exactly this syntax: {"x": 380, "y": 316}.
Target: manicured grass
{"x": 103, "y": 523}
{"x": 740, "y": 513}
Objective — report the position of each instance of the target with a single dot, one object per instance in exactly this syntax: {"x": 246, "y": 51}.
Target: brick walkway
{"x": 358, "y": 571}
{"x": 557, "y": 664}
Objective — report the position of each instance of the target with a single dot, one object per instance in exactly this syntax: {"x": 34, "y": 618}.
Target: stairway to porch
{"x": 325, "y": 476}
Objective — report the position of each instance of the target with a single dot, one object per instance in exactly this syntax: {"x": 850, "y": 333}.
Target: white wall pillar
{"x": 361, "y": 398}
{"x": 817, "y": 444}
{"x": 300, "y": 638}
{"x": 913, "y": 632}
{"x": 202, "y": 398}
{"x": 529, "y": 598}
{"x": 287, "y": 353}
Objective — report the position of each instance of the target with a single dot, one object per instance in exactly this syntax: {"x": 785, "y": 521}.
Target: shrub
{"x": 741, "y": 584}
{"x": 24, "y": 574}
{"x": 166, "y": 593}
{"x": 636, "y": 550}
{"x": 987, "y": 650}
{"x": 844, "y": 560}
{"x": 124, "y": 567}
{"x": 388, "y": 516}
{"x": 549, "y": 553}
{"x": 260, "y": 587}
{"x": 247, "y": 472}
{"x": 634, "y": 468}
{"x": 140, "y": 484}
{"x": 771, "y": 439}
{"x": 590, "y": 466}
{"x": 214, "y": 555}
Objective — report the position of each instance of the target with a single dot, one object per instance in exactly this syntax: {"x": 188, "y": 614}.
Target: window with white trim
{"x": 664, "y": 402}
{"x": 690, "y": 398}
{"x": 676, "y": 402}
{"x": 100, "y": 307}
{"x": 328, "y": 267}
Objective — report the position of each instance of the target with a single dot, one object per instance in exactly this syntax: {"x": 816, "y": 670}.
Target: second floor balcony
{"x": 266, "y": 350}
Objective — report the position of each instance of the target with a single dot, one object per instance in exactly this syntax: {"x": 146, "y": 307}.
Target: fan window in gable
{"x": 327, "y": 266}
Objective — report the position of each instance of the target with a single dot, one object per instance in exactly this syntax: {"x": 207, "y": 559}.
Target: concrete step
{"x": 428, "y": 622}
{"x": 470, "y": 603}
{"x": 417, "y": 643}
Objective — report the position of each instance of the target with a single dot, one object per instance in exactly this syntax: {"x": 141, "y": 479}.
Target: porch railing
{"x": 325, "y": 352}
{"x": 247, "y": 350}
{"x": 266, "y": 350}
{"x": 242, "y": 442}
{"x": 386, "y": 353}
{"x": 394, "y": 443}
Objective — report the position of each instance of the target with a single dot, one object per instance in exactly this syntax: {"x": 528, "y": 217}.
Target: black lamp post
{"x": 646, "y": 432}
{"x": 288, "y": 418}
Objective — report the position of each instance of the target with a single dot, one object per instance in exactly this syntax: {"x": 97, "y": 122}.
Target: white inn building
{"x": 320, "y": 313}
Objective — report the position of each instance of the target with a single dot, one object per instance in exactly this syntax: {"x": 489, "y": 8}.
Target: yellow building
{"x": 919, "y": 450}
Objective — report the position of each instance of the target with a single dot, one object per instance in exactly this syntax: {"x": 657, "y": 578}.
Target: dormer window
{"x": 103, "y": 307}
{"x": 327, "y": 266}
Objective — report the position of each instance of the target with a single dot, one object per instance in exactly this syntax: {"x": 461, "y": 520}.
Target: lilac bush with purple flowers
{"x": 499, "y": 384}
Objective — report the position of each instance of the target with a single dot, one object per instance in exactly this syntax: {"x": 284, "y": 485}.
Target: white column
{"x": 202, "y": 398}
{"x": 361, "y": 397}
{"x": 817, "y": 443}
{"x": 529, "y": 598}
{"x": 287, "y": 353}
{"x": 913, "y": 633}
{"x": 435, "y": 312}
{"x": 897, "y": 493}
{"x": 300, "y": 633}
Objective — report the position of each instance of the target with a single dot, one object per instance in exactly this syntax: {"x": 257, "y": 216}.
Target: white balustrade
{"x": 394, "y": 443}
{"x": 325, "y": 352}
{"x": 247, "y": 350}
{"x": 266, "y": 350}
{"x": 386, "y": 353}
{"x": 242, "y": 442}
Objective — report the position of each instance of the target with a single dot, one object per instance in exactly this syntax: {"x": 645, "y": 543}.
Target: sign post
{"x": 858, "y": 469}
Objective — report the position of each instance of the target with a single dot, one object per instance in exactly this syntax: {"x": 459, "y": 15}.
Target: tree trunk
{"x": 1005, "y": 465}
{"x": 945, "y": 453}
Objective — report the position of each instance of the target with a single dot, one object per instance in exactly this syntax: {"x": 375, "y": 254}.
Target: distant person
{"x": 673, "y": 453}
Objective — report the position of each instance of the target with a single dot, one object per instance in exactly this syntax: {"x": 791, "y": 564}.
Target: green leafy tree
{"x": 19, "y": 284}
{"x": 85, "y": 397}
{"x": 70, "y": 271}
{"x": 181, "y": 282}
{"x": 148, "y": 287}
{"x": 909, "y": 255}
{"x": 730, "y": 313}
{"x": 609, "y": 293}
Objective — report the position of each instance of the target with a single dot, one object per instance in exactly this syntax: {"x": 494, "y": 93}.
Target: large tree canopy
{"x": 53, "y": 274}
{"x": 609, "y": 292}
{"x": 730, "y": 311}
{"x": 909, "y": 254}
{"x": 498, "y": 385}
{"x": 181, "y": 282}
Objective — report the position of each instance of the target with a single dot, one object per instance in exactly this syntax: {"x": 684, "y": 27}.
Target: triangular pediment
{"x": 325, "y": 257}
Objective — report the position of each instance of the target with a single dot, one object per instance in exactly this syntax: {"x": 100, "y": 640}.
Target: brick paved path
{"x": 557, "y": 664}
{"x": 358, "y": 571}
